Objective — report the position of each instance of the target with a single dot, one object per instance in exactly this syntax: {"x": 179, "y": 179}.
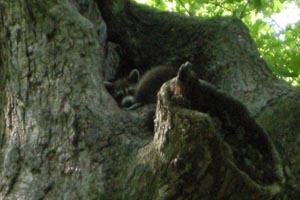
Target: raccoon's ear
{"x": 134, "y": 75}
{"x": 108, "y": 85}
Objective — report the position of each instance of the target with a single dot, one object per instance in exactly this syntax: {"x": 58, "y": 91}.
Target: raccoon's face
{"x": 123, "y": 90}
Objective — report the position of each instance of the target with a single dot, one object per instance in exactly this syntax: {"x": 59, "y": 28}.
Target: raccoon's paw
{"x": 134, "y": 106}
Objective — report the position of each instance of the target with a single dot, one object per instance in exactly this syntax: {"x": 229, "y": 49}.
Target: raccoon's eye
{"x": 120, "y": 93}
{"x": 131, "y": 90}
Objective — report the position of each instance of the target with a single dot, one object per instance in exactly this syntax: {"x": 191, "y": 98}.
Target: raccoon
{"x": 123, "y": 90}
{"x": 150, "y": 83}
{"x": 133, "y": 91}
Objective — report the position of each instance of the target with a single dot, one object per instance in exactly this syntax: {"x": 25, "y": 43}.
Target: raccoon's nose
{"x": 127, "y": 101}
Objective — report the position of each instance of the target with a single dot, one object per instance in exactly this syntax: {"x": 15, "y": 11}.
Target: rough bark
{"x": 53, "y": 111}
{"x": 225, "y": 55}
{"x": 64, "y": 137}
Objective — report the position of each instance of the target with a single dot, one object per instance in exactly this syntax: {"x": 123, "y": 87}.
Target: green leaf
{"x": 257, "y": 4}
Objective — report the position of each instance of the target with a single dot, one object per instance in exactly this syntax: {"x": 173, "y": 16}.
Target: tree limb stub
{"x": 195, "y": 155}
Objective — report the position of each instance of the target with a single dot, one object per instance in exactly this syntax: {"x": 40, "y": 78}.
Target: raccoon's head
{"x": 122, "y": 90}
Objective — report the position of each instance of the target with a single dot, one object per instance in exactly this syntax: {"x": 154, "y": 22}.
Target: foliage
{"x": 278, "y": 45}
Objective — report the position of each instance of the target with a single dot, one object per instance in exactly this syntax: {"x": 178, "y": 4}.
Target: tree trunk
{"x": 64, "y": 137}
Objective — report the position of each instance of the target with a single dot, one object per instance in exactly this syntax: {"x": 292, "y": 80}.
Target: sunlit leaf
{"x": 277, "y": 5}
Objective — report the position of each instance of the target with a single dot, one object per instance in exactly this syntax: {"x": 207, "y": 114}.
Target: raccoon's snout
{"x": 127, "y": 101}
